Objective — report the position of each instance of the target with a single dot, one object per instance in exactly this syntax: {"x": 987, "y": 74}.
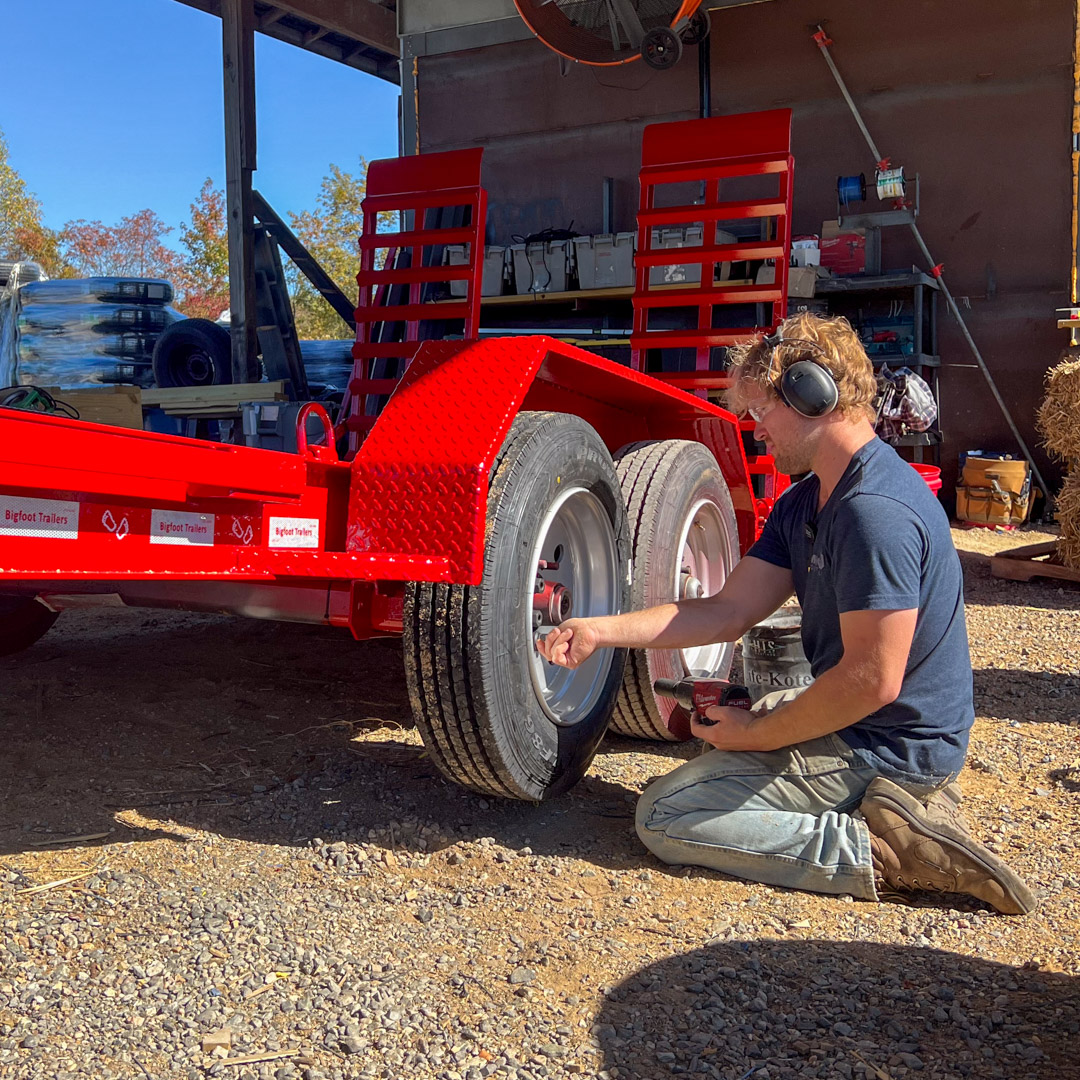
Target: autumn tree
{"x": 135, "y": 247}
{"x": 23, "y": 235}
{"x": 330, "y": 233}
{"x": 203, "y": 283}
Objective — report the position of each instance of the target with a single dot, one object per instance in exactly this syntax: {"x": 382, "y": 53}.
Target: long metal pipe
{"x": 1075, "y": 155}
{"x": 823, "y": 44}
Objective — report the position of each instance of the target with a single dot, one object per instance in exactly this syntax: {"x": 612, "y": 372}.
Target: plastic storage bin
{"x": 494, "y": 273}
{"x": 604, "y": 261}
{"x": 540, "y": 267}
{"x": 685, "y": 273}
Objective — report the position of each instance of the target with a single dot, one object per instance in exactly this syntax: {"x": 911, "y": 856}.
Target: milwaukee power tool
{"x": 696, "y": 694}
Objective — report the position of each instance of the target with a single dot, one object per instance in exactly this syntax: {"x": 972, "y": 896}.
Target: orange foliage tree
{"x": 133, "y": 248}
{"x": 203, "y": 281}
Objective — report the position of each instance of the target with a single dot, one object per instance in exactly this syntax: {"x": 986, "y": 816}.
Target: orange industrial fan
{"x": 609, "y": 32}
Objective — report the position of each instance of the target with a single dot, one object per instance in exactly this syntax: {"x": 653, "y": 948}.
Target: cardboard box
{"x": 801, "y": 282}
{"x": 845, "y": 253}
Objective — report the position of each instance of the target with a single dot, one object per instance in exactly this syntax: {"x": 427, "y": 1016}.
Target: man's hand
{"x": 570, "y": 644}
{"x": 728, "y": 728}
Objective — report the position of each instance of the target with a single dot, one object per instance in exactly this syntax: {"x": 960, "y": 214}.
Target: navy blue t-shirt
{"x": 881, "y": 542}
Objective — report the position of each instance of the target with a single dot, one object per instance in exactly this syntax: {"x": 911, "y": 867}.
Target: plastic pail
{"x": 773, "y": 657}
{"x": 930, "y": 473}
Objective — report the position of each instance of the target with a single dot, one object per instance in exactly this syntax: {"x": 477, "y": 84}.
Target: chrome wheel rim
{"x": 704, "y": 558}
{"x": 577, "y": 534}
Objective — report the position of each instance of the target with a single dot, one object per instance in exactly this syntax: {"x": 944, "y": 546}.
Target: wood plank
{"x": 229, "y": 394}
{"x": 1025, "y": 563}
{"x": 119, "y": 406}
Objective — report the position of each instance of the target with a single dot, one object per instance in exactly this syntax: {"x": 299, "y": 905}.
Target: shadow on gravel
{"x": 1033, "y": 696}
{"x": 981, "y": 588}
{"x": 266, "y": 732}
{"x": 830, "y": 1009}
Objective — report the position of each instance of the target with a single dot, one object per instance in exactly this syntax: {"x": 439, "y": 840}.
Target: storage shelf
{"x": 854, "y": 283}
{"x": 916, "y": 438}
{"x": 911, "y": 360}
{"x": 567, "y": 297}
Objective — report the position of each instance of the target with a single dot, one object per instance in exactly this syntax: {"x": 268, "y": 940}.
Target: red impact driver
{"x": 696, "y": 695}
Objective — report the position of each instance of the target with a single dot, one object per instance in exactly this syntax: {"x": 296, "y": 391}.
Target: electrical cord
{"x": 544, "y": 236}
{"x": 35, "y": 399}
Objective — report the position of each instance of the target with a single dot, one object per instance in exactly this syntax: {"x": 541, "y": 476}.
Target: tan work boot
{"x": 944, "y": 806}
{"x": 913, "y": 853}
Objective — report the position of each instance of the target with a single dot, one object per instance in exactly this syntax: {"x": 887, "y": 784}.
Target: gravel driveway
{"x": 282, "y": 872}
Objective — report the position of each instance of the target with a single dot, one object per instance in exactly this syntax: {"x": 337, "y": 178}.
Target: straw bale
{"x": 1068, "y": 515}
{"x": 1059, "y": 415}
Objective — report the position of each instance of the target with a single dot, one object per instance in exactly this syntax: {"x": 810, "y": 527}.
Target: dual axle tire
{"x": 494, "y": 715}
{"x": 685, "y": 543}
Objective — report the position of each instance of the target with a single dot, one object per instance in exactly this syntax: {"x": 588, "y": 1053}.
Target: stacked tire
{"x": 78, "y": 331}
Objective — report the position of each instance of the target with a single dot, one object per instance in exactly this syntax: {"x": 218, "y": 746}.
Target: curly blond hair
{"x": 826, "y": 340}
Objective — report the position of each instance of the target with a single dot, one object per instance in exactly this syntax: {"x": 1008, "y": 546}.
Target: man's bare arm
{"x": 754, "y": 591}
{"x": 868, "y": 676}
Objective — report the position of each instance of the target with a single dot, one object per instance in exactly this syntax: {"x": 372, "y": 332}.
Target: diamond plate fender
{"x": 418, "y": 492}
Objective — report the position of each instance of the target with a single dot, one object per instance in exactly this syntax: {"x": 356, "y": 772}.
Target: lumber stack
{"x": 212, "y": 402}
{"x": 119, "y": 406}
{"x": 1059, "y": 424}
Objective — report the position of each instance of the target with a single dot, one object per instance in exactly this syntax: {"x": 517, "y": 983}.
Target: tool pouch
{"x": 993, "y": 492}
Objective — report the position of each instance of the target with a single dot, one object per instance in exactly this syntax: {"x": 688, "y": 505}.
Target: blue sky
{"x": 113, "y": 106}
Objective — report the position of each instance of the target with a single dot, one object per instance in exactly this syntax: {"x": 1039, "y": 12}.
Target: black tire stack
{"x": 75, "y": 331}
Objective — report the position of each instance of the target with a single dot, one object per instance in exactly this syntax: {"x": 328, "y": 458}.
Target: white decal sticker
{"x": 119, "y": 529}
{"x": 244, "y": 533}
{"x": 178, "y": 527}
{"x": 294, "y": 532}
{"x": 48, "y": 518}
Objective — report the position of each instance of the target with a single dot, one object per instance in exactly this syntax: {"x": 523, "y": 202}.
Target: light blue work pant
{"x": 783, "y": 817}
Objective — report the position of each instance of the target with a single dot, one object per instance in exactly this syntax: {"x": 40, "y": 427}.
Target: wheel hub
{"x": 577, "y": 573}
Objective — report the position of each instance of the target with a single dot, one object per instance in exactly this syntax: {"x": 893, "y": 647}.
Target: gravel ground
{"x": 281, "y": 863}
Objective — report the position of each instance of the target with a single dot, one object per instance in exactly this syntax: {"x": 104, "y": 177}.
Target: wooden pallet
{"x": 1031, "y": 561}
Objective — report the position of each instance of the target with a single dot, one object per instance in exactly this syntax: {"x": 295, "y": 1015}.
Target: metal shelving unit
{"x": 924, "y": 358}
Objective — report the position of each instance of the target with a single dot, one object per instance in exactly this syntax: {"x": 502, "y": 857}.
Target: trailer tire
{"x": 494, "y": 716}
{"x": 194, "y": 352}
{"x": 683, "y": 530}
{"x": 23, "y": 620}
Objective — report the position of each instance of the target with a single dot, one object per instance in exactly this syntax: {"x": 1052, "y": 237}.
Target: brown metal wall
{"x": 975, "y": 95}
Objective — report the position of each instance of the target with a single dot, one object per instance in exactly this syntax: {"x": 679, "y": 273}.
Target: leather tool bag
{"x": 993, "y": 491}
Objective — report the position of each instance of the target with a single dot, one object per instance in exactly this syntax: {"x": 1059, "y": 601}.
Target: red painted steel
{"x": 419, "y": 186}
{"x": 89, "y": 504}
{"x": 711, "y": 153}
{"x": 414, "y": 497}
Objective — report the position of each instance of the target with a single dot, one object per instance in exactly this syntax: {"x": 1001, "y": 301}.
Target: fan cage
{"x": 587, "y": 30}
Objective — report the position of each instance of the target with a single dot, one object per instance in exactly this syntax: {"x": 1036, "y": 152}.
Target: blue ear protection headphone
{"x": 806, "y": 386}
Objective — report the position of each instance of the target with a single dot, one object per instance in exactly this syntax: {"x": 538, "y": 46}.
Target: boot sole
{"x": 909, "y": 808}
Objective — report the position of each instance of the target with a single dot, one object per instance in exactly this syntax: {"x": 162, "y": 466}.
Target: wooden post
{"x": 238, "y": 64}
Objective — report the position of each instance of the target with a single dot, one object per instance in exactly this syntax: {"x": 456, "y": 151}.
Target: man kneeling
{"x": 846, "y": 788}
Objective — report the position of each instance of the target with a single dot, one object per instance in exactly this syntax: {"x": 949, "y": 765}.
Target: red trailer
{"x": 504, "y": 485}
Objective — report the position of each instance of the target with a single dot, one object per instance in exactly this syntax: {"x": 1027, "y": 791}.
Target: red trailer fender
{"x": 418, "y": 494}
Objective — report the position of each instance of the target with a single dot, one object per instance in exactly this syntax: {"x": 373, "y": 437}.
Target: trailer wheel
{"x": 23, "y": 619}
{"x": 194, "y": 352}
{"x": 494, "y": 715}
{"x": 685, "y": 543}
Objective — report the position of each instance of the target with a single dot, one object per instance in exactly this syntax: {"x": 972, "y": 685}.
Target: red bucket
{"x": 930, "y": 473}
